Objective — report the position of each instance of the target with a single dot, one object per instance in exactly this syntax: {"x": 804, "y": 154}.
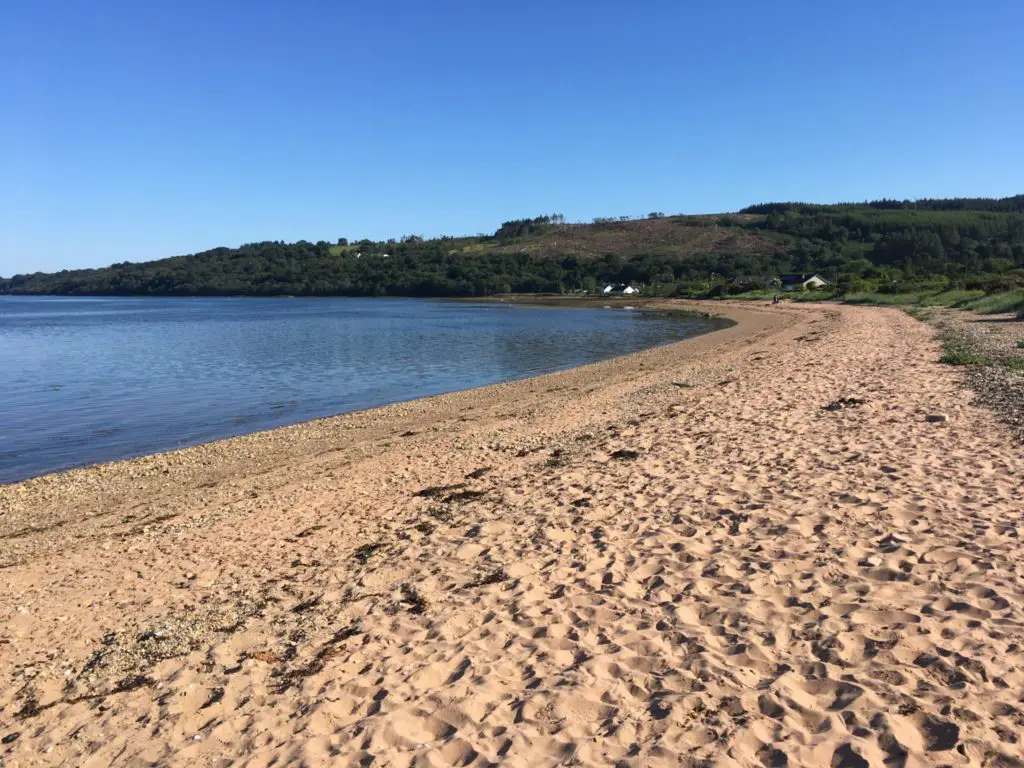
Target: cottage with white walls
{"x": 803, "y": 282}
{"x": 621, "y": 288}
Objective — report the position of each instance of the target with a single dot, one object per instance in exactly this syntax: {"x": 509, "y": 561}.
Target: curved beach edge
{"x": 295, "y": 439}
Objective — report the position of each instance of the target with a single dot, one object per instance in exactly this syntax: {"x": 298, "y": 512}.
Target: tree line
{"x": 880, "y": 245}
{"x": 1013, "y": 204}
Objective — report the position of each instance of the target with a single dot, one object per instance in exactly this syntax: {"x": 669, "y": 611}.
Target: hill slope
{"x": 888, "y": 243}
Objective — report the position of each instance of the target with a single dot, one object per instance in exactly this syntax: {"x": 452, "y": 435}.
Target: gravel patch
{"x": 993, "y": 361}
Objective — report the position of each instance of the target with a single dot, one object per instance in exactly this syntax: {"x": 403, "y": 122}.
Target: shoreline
{"x": 693, "y": 307}
{"x": 756, "y": 546}
{"x": 661, "y": 306}
{"x": 383, "y": 411}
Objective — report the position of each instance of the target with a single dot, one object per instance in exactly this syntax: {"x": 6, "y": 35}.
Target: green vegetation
{"x": 764, "y": 295}
{"x": 1009, "y": 301}
{"x": 919, "y": 313}
{"x": 971, "y": 300}
{"x": 956, "y": 351}
{"x": 951, "y": 298}
{"x": 886, "y": 299}
{"x": 822, "y": 295}
{"x": 959, "y": 348}
{"x": 963, "y": 252}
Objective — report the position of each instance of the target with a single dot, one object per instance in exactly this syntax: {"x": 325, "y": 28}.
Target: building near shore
{"x": 622, "y": 288}
{"x": 803, "y": 282}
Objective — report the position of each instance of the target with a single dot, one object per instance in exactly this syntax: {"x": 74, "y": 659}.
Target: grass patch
{"x": 338, "y": 250}
{"x": 1011, "y": 301}
{"x": 1020, "y": 344}
{"x": 1013, "y": 363}
{"x": 951, "y": 298}
{"x": 955, "y": 351}
{"x": 753, "y": 296}
{"x": 768, "y": 295}
{"x": 811, "y": 295}
{"x": 924, "y": 314}
{"x": 974, "y": 301}
{"x": 885, "y": 299}
{"x": 962, "y": 356}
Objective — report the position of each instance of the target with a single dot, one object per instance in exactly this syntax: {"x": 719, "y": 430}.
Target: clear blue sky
{"x": 136, "y": 130}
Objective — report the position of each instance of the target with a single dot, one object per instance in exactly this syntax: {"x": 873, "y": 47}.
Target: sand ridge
{"x": 683, "y": 557}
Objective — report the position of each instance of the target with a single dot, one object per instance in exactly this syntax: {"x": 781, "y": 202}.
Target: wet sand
{"x": 790, "y": 542}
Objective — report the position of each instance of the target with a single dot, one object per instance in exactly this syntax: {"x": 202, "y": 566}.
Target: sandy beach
{"x": 794, "y": 541}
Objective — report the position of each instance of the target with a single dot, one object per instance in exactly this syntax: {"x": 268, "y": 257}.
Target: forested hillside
{"x": 885, "y": 245}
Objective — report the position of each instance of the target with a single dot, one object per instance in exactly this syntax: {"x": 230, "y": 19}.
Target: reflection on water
{"x": 87, "y": 380}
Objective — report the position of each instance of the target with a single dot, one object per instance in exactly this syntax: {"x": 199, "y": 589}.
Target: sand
{"x": 681, "y": 557}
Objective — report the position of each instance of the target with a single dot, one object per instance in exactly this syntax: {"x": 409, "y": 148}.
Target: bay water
{"x": 85, "y": 380}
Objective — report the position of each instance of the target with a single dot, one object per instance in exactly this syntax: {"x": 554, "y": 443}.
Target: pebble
{"x": 936, "y": 418}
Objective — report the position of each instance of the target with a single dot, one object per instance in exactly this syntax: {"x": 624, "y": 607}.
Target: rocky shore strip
{"x": 991, "y": 347}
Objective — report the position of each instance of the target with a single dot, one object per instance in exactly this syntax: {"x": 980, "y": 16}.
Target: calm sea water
{"x": 84, "y": 380}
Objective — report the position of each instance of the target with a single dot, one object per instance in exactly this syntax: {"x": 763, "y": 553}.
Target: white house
{"x": 625, "y": 290}
{"x": 803, "y": 282}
